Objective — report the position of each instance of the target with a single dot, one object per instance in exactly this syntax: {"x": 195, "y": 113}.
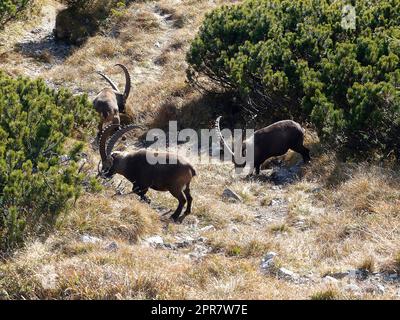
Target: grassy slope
{"x": 335, "y": 217}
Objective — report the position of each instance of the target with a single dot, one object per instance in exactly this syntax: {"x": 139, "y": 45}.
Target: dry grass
{"x": 336, "y": 216}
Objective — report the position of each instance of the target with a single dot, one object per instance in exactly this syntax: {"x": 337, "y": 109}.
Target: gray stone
{"x": 89, "y": 239}
{"x": 229, "y": 194}
{"x": 358, "y": 274}
{"x": 207, "y": 228}
{"x": 170, "y": 246}
{"x": 338, "y": 275}
{"x": 287, "y": 274}
{"x": 270, "y": 255}
{"x": 267, "y": 263}
{"x": 352, "y": 288}
{"x": 113, "y": 246}
{"x": 380, "y": 288}
{"x": 329, "y": 279}
{"x": 155, "y": 241}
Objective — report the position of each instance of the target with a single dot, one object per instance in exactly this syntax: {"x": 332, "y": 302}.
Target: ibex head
{"x": 121, "y": 97}
{"x": 111, "y": 159}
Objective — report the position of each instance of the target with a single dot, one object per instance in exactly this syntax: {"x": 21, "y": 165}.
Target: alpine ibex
{"x": 272, "y": 141}
{"x": 173, "y": 176}
{"x": 109, "y": 103}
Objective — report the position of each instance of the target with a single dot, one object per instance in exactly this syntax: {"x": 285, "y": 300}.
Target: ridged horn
{"x": 219, "y": 134}
{"x": 112, "y": 83}
{"x": 119, "y": 134}
{"x": 109, "y": 130}
{"x": 128, "y": 81}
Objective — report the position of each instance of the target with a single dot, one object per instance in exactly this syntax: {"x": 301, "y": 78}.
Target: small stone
{"x": 3, "y": 294}
{"x": 113, "y": 246}
{"x": 234, "y": 229}
{"x": 329, "y": 279}
{"x": 89, "y": 239}
{"x": 170, "y": 246}
{"x": 269, "y": 256}
{"x": 380, "y": 288}
{"x": 183, "y": 244}
{"x": 267, "y": 263}
{"x": 287, "y": 274}
{"x": 358, "y": 274}
{"x": 352, "y": 288}
{"x": 231, "y": 195}
{"x": 338, "y": 275}
{"x": 375, "y": 288}
{"x": 155, "y": 241}
{"x": 36, "y": 31}
{"x": 64, "y": 158}
{"x": 316, "y": 190}
{"x": 275, "y": 202}
{"x": 207, "y": 228}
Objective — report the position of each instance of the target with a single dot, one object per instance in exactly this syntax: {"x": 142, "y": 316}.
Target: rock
{"x": 316, "y": 190}
{"x": 275, "y": 202}
{"x": 267, "y": 266}
{"x": 170, "y": 246}
{"x": 207, "y": 228}
{"x": 337, "y": 275}
{"x": 199, "y": 252}
{"x": 191, "y": 221}
{"x": 113, "y": 246}
{"x": 4, "y": 294}
{"x": 352, "y": 288}
{"x": 329, "y": 279}
{"x": 155, "y": 241}
{"x": 285, "y": 175}
{"x": 36, "y": 30}
{"x": 358, "y": 274}
{"x": 64, "y": 158}
{"x": 89, "y": 239}
{"x": 380, "y": 288}
{"x": 375, "y": 288}
{"x": 287, "y": 274}
{"x": 230, "y": 195}
{"x": 234, "y": 229}
{"x": 270, "y": 255}
{"x": 389, "y": 276}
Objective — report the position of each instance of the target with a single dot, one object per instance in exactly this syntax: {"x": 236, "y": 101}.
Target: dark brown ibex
{"x": 173, "y": 176}
{"x": 272, "y": 141}
{"x": 109, "y": 103}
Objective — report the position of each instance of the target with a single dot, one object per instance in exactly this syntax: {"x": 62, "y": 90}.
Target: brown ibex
{"x": 109, "y": 103}
{"x": 173, "y": 176}
{"x": 272, "y": 141}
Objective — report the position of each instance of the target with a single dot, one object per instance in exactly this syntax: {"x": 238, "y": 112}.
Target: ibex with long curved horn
{"x": 272, "y": 141}
{"x": 109, "y": 103}
{"x": 174, "y": 175}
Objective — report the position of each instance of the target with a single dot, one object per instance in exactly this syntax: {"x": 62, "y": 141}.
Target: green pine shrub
{"x": 82, "y": 19}
{"x": 36, "y": 181}
{"x": 10, "y": 9}
{"x": 296, "y": 59}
